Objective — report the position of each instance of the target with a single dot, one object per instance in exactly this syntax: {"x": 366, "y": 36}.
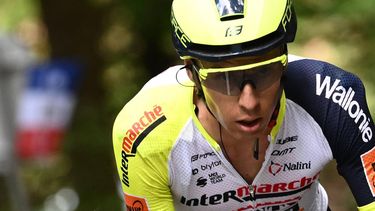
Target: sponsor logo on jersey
{"x": 135, "y": 203}
{"x": 201, "y": 182}
{"x": 210, "y": 166}
{"x": 261, "y": 191}
{"x": 368, "y": 163}
{"x": 139, "y": 130}
{"x": 135, "y": 135}
{"x": 285, "y": 205}
{"x": 344, "y": 98}
{"x": 201, "y": 156}
{"x": 213, "y": 178}
{"x": 216, "y": 177}
{"x": 194, "y": 171}
{"x": 275, "y": 168}
{"x": 287, "y": 140}
{"x": 281, "y": 152}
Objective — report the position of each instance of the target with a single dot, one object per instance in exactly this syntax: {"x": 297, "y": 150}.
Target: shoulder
{"x": 308, "y": 70}
{"x": 312, "y": 82}
{"x": 155, "y": 115}
{"x": 335, "y": 98}
{"x": 170, "y": 77}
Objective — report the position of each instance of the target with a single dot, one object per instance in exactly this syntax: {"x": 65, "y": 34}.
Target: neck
{"x": 255, "y": 147}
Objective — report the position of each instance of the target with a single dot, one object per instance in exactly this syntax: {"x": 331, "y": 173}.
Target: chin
{"x": 254, "y": 134}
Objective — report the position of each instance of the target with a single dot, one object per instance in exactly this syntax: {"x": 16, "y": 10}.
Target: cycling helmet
{"x": 214, "y": 30}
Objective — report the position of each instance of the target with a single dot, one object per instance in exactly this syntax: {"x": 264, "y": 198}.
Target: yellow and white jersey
{"x": 167, "y": 161}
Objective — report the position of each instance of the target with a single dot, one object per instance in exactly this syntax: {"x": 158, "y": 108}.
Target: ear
{"x": 193, "y": 76}
{"x": 188, "y": 63}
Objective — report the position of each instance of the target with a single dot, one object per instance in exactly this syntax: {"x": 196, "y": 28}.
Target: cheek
{"x": 218, "y": 103}
{"x": 212, "y": 100}
{"x": 275, "y": 90}
{"x": 270, "y": 96}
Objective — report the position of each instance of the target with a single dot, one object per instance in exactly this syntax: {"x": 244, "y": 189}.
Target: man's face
{"x": 245, "y": 105}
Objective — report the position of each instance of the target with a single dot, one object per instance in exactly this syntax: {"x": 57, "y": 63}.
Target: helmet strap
{"x": 198, "y": 84}
{"x": 199, "y": 89}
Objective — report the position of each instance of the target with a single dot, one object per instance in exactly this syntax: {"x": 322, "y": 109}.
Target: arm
{"x": 355, "y": 145}
{"x": 143, "y": 173}
{"x": 368, "y": 207}
{"x": 337, "y": 101}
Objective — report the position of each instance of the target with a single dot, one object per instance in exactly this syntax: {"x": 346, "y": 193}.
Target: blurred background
{"x": 68, "y": 67}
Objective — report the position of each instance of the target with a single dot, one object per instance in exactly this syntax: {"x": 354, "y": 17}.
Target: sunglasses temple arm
{"x": 227, "y": 82}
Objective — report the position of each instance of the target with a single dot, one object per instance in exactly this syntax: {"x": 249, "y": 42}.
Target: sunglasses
{"x": 231, "y": 80}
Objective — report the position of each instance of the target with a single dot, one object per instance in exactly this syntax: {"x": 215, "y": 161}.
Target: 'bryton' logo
{"x": 344, "y": 98}
{"x": 210, "y": 166}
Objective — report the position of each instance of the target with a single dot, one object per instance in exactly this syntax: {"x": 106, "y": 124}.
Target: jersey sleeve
{"x": 142, "y": 171}
{"x": 369, "y": 207}
{"x": 144, "y": 134}
{"x": 336, "y": 100}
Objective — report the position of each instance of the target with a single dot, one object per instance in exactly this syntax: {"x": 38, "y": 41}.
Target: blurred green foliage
{"x": 345, "y": 32}
{"x": 14, "y": 11}
{"x": 134, "y": 46}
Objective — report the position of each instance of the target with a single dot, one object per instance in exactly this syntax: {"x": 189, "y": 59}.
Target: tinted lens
{"x": 232, "y": 82}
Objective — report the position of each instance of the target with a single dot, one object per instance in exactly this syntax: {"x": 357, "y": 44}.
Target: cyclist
{"x": 256, "y": 128}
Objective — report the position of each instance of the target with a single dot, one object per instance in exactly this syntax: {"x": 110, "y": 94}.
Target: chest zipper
{"x": 252, "y": 192}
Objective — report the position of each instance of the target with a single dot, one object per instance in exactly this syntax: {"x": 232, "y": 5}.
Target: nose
{"x": 249, "y": 98}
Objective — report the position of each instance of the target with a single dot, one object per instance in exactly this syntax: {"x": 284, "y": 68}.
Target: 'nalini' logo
{"x": 275, "y": 168}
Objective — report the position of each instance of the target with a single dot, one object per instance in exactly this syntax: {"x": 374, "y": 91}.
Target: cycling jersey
{"x": 167, "y": 161}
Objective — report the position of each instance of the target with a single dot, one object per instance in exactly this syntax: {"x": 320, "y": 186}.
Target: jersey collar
{"x": 278, "y": 117}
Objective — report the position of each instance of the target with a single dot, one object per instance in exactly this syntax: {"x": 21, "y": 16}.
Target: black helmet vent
{"x": 232, "y": 17}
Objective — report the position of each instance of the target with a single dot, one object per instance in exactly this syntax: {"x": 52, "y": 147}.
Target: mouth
{"x": 249, "y": 125}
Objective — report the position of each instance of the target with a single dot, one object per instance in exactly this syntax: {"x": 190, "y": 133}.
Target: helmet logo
{"x": 233, "y": 31}
{"x": 181, "y": 36}
{"x": 287, "y": 14}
